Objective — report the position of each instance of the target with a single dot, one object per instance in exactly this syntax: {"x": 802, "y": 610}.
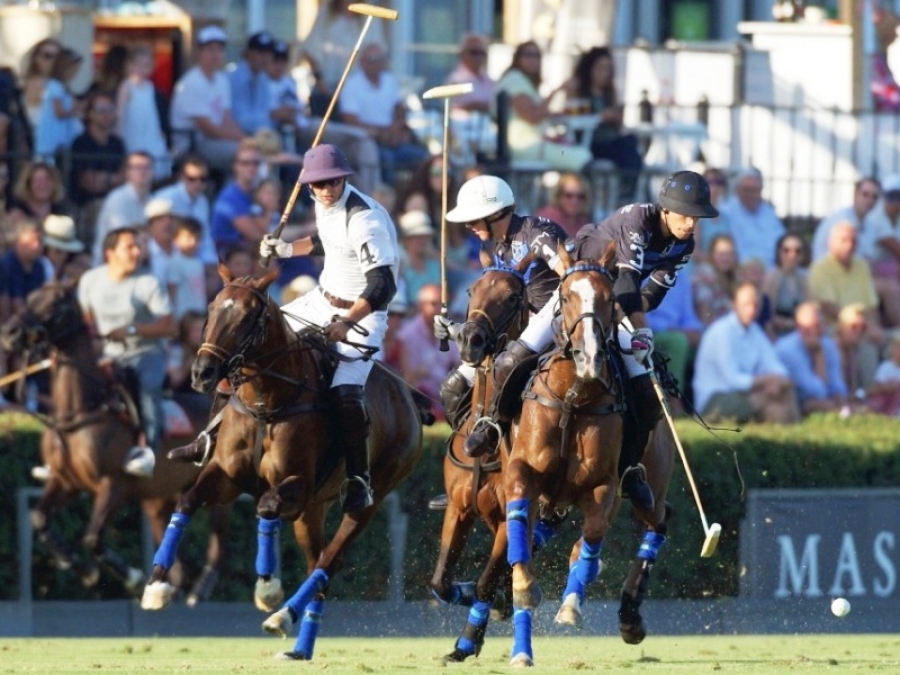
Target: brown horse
{"x": 85, "y": 444}
{"x": 566, "y": 447}
{"x": 497, "y": 312}
{"x": 275, "y": 443}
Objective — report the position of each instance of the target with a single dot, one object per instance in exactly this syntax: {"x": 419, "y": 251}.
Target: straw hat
{"x": 416, "y": 224}
{"x": 59, "y": 233}
{"x": 156, "y": 208}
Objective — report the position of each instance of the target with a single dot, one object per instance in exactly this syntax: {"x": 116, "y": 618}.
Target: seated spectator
{"x": 755, "y": 226}
{"x": 419, "y": 262}
{"x": 859, "y": 355}
{"x": 98, "y": 158}
{"x": 186, "y": 273}
{"x": 883, "y": 395}
{"x": 60, "y": 118}
{"x": 707, "y": 228}
{"x": 234, "y": 222}
{"x": 528, "y": 110}
{"x": 866, "y": 193}
{"x": 787, "y": 284}
{"x": 422, "y": 363}
{"x": 754, "y": 272}
{"x": 252, "y": 107}
{"x": 139, "y": 123}
{"x": 371, "y": 99}
{"x": 737, "y": 374}
{"x": 398, "y": 311}
{"x": 22, "y": 268}
{"x": 38, "y": 192}
{"x": 240, "y": 261}
{"x": 879, "y": 244}
{"x": 60, "y": 244}
{"x": 571, "y": 205}
{"x": 189, "y": 200}
{"x": 201, "y": 116}
{"x": 714, "y": 281}
{"x": 813, "y": 361}
{"x": 161, "y": 235}
{"x": 124, "y": 206}
{"x": 472, "y": 68}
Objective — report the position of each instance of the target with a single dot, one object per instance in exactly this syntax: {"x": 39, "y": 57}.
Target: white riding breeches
{"x": 314, "y": 309}
{"x": 538, "y": 334}
{"x": 623, "y": 332}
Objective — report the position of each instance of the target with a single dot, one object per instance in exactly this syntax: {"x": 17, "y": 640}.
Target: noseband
{"x": 501, "y": 326}
{"x": 237, "y": 359}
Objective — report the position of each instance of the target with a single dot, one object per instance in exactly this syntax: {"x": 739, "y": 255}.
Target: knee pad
{"x": 456, "y": 393}
{"x": 508, "y": 359}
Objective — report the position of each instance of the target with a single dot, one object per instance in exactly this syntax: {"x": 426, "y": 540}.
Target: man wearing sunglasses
{"x": 358, "y": 281}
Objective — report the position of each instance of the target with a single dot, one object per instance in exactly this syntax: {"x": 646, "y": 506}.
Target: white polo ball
{"x": 840, "y": 607}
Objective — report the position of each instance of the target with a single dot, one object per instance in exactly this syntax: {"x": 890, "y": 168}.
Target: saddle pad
{"x": 176, "y": 420}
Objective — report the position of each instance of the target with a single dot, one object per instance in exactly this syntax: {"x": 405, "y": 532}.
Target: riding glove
{"x": 642, "y": 345}
{"x": 273, "y": 246}
{"x": 445, "y": 328}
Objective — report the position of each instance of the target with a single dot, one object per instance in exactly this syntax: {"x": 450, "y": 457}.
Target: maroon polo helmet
{"x": 324, "y": 162}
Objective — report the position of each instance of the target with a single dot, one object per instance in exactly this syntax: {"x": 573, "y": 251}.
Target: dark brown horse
{"x": 497, "y": 312}
{"x": 566, "y": 444}
{"x": 275, "y": 443}
{"x": 86, "y": 441}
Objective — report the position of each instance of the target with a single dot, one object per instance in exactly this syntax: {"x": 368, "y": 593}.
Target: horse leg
{"x": 268, "y": 593}
{"x": 454, "y": 536}
{"x": 526, "y": 591}
{"x": 631, "y": 623}
{"x": 54, "y": 497}
{"x": 216, "y": 553}
{"x": 584, "y": 568}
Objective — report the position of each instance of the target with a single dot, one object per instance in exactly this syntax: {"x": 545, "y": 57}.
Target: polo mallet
{"x": 445, "y": 92}
{"x": 371, "y": 11}
{"x": 713, "y": 532}
{"x": 25, "y": 372}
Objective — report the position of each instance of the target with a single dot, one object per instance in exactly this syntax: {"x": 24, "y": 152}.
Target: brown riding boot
{"x": 352, "y": 431}
{"x": 201, "y": 448}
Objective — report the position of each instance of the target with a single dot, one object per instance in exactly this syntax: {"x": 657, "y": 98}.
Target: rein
{"x": 503, "y": 323}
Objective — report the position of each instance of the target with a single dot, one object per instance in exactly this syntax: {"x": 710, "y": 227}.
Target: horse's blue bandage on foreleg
{"x": 585, "y": 570}
{"x": 475, "y": 624}
{"x": 266, "y": 538}
{"x": 650, "y": 546}
{"x": 522, "y": 638}
{"x": 517, "y": 531}
{"x": 309, "y": 628}
{"x": 544, "y": 531}
{"x": 165, "y": 556}
{"x": 316, "y": 582}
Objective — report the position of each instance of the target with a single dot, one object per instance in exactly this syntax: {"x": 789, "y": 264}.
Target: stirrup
{"x": 480, "y": 447}
{"x": 438, "y": 503}
{"x": 196, "y": 452}
{"x": 140, "y": 462}
{"x": 363, "y": 500}
{"x": 646, "y": 502}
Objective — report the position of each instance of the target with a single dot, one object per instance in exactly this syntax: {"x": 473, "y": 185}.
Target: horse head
{"x": 236, "y": 323}
{"x": 587, "y": 307}
{"x": 498, "y": 308}
{"x": 51, "y": 315}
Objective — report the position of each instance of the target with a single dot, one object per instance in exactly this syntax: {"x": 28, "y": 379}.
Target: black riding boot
{"x": 201, "y": 448}
{"x": 456, "y": 398}
{"x": 352, "y": 432}
{"x": 485, "y": 436}
{"x": 639, "y": 420}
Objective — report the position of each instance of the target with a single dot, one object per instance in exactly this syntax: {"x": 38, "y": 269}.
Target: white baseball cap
{"x": 209, "y": 34}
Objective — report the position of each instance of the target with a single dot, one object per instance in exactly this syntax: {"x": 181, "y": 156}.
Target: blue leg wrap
{"x": 543, "y": 532}
{"x": 309, "y": 628}
{"x": 650, "y": 546}
{"x": 478, "y": 617}
{"x": 316, "y": 582}
{"x": 165, "y": 556}
{"x": 517, "y": 531}
{"x": 522, "y": 625}
{"x": 266, "y": 538}
{"x": 585, "y": 569}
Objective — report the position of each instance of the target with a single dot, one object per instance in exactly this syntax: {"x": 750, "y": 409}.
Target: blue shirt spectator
{"x": 233, "y": 202}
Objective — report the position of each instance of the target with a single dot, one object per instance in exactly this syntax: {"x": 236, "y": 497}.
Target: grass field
{"x": 808, "y": 654}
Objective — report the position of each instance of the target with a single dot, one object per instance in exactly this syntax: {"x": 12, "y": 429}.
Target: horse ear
{"x": 564, "y": 255}
{"x": 225, "y": 273}
{"x": 267, "y": 279}
{"x": 609, "y": 256}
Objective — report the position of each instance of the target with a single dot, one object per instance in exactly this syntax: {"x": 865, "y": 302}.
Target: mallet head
{"x": 449, "y": 90}
{"x": 374, "y": 10}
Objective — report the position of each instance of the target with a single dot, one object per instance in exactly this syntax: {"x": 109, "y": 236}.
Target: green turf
{"x": 808, "y": 654}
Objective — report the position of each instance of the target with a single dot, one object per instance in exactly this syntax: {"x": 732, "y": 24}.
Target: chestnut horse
{"x": 275, "y": 443}
{"x": 566, "y": 447}
{"x": 86, "y": 441}
{"x": 497, "y": 312}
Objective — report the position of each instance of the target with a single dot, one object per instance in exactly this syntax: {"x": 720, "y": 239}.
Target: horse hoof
{"x": 529, "y": 597}
{"x": 456, "y": 656}
{"x": 280, "y": 623}
{"x": 292, "y": 656}
{"x": 268, "y": 595}
{"x": 135, "y": 581}
{"x": 157, "y": 595}
{"x": 501, "y": 609}
{"x": 521, "y": 660}
{"x": 569, "y": 613}
{"x": 632, "y": 633}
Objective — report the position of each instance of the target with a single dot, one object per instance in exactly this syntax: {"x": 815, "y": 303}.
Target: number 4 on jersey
{"x": 365, "y": 255}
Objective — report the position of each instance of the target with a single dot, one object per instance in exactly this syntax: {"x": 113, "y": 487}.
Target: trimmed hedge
{"x": 823, "y": 451}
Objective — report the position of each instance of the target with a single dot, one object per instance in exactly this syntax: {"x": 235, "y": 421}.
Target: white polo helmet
{"x": 481, "y": 197}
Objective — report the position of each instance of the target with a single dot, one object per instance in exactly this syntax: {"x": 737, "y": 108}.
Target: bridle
{"x": 565, "y": 337}
{"x": 516, "y": 309}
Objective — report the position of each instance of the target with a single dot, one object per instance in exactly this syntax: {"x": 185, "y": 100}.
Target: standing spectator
{"x": 737, "y": 373}
{"x": 38, "y": 192}
{"x": 472, "y": 68}
{"x": 61, "y": 245}
{"x": 186, "y": 273}
{"x": 571, "y": 204}
{"x": 189, "y": 200}
{"x": 787, "y": 284}
{"x": 251, "y": 88}
{"x": 161, "y": 237}
{"x": 234, "y": 222}
{"x": 755, "y": 226}
{"x": 98, "y": 160}
{"x": 715, "y": 280}
{"x": 22, "y": 269}
{"x": 139, "y": 123}
{"x": 813, "y": 361}
{"x": 883, "y": 84}
{"x": 60, "y": 121}
{"x": 420, "y": 265}
{"x": 528, "y": 109}
{"x": 201, "y": 105}
{"x": 112, "y": 71}
{"x": 34, "y": 79}
{"x": 422, "y": 363}
{"x": 124, "y": 206}
{"x": 372, "y": 100}
{"x": 866, "y": 192}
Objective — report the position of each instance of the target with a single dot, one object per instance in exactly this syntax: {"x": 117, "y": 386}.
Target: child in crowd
{"x": 60, "y": 119}
{"x": 139, "y": 124}
{"x": 186, "y": 271}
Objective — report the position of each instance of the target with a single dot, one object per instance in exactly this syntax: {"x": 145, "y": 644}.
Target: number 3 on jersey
{"x": 365, "y": 255}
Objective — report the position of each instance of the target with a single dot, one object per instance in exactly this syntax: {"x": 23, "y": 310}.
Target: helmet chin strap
{"x": 496, "y": 218}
